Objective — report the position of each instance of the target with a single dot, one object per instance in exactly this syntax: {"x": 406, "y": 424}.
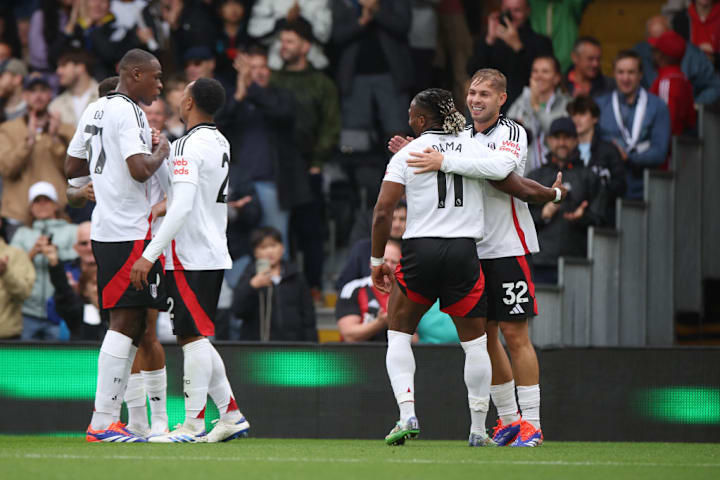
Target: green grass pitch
{"x": 26, "y": 458}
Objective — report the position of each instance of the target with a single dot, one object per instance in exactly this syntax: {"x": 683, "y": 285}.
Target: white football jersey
{"x": 509, "y": 227}
{"x": 443, "y": 204}
{"x": 110, "y": 130}
{"x": 201, "y": 157}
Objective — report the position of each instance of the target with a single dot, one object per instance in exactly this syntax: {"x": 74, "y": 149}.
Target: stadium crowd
{"x": 315, "y": 89}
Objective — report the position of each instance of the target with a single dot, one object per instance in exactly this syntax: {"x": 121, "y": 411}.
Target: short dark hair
{"x": 78, "y": 57}
{"x": 136, "y": 58}
{"x": 209, "y": 95}
{"x": 552, "y": 59}
{"x": 586, "y": 39}
{"x": 300, "y": 27}
{"x": 262, "y": 233}
{"x": 108, "y": 85}
{"x": 256, "y": 50}
{"x": 625, "y": 54}
{"x": 401, "y": 204}
{"x": 583, "y": 104}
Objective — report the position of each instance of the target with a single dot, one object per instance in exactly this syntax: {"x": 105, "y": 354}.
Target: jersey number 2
{"x": 442, "y": 189}
{"x": 222, "y": 194}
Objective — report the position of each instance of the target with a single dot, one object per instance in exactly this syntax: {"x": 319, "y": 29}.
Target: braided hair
{"x": 439, "y": 106}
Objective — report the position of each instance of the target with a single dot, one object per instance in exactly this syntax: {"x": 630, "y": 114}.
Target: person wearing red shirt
{"x": 671, "y": 84}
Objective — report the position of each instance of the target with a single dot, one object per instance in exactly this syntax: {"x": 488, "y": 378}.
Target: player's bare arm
{"x": 530, "y": 191}
{"x": 142, "y": 166}
{"x": 390, "y": 195}
{"x": 76, "y": 167}
{"x": 79, "y": 196}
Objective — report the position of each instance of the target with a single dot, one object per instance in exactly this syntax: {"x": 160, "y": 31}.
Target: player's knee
{"x": 515, "y": 334}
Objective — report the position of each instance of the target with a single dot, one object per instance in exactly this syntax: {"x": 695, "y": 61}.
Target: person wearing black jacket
{"x": 510, "y": 45}
{"x": 258, "y": 121}
{"x": 272, "y": 297}
{"x": 562, "y": 228}
{"x": 602, "y": 157}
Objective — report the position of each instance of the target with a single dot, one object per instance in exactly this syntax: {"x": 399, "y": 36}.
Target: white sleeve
{"x": 77, "y": 147}
{"x": 131, "y": 133}
{"x": 183, "y": 198}
{"x": 186, "y": 165}
{"x": 79, "y": 181}
{"x": 482, "y": 162}
{"x": 396, "y": 168}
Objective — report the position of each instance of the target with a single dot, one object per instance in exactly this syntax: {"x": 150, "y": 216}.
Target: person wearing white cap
{"x": 48, "y": 237}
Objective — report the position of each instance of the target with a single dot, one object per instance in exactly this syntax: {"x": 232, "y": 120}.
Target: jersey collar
{"x": 122, "y": 95}
{"x": 490, "y": 129}
{"x": 433, "y": 132}
{"x": 202, "y": 125}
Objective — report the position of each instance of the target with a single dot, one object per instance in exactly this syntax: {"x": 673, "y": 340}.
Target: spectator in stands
{"x": 272, "y": 297}
{"x": 316, "y": 131}
{"x": 374, "y": 68}
{"x": 361, "y": 309}
{"x": 671, "y": 84}
{"x": 76, "y": 296}
{"x": 510, "y": 45}
{"x": 32, "y": 148}
{"x": 191, "y": 23}
{"x": 602, "y": 157}
{"x": 9, "y": 31}
{"x": 256, "y": 120}
{"x": 356, "y": 265}
{"x": 269, "y": 16}
{"x": 585, "y": 75}
{"x": 244, "y": 215}
{"x": 38, "y": 240}
{"x": 198, "y": 62}
{"x": 127, "y": 12}
{"x": 695, "y": 65}
{"x": 700, "y": 25}
{"x": 46, "y": 26}
{"x": 637, "y": 122}
{"x": 562, "y": 227}
{"x": 559, "y": 20}
{"x": 74, "y": 68}
{"x": 157, "y": 114}
{"x": 423, "y": 41}
{"x": 232, "y": 38}
{"x": 454, "y": 44}
{"x": 17, "y": 276}
{"x": 540, "y": 103}
{"x": 12, "y": 73}
{"x": 173, "y": 90}
{"x": 156, "y": 18}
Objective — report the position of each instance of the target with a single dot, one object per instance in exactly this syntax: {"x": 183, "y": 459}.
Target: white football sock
{"x": 400, "y": 364}
{"x": 220, "y": 390}
{"x": 126, "y": 377}
{"x": 155, "y": 382}
{"x": 135, "y": 401}
{"x": 112, "y": 366}
{"x": 529, "y": 398}
{"x": 503, "y": 396}
{"x": 478, "y": 372}
{"x": 196, "y": 379}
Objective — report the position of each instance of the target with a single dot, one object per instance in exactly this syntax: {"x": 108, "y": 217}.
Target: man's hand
{"x": 154, "y": 137}
{"x": 51, "y": 253}
{"x": 32, "y": 128}
{"x": 577, "y": 214}
{"x": 492, "y": 28}
{"x": 261, "y": 280}
{"x": 159, "y": 209}
{"x": 429, "y": 160}
{"x": 509, "y": 34}
{"x": 53, "y": 123}
{"x": 382, "y": 278}
{"x": 549, "y": 211}
{"x": 396, "y": 143}
{"x": 3, "y": 265}
{"x": 558, "y": 184}
{"x": 88, "y": 192}
{"x": 163, "y": 146}
{"x": 144, "y": 34}
{"x": 139, "y": 273}
{"x": 240, "y": 202}
{"x": 241, "y": 64}
{"x": 382, "y": 317}
{"x": 38, "y": 247}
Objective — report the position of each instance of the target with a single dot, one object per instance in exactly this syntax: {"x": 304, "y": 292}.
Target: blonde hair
{"x": 497, "y": 80}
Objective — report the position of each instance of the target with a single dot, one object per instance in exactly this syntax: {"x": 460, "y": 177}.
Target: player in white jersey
{"x": 438, "y": 256}
{"x": 193, "y": 234}
{"x": 148, "y": 377}
{"x": 505, "y": 254}
{"x": 114, "y": 148}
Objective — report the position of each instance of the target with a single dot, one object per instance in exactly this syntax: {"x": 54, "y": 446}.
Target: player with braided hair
{"x": 439, "y": 260}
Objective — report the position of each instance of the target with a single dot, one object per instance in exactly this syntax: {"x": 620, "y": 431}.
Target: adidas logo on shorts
{"x": 517, "y": 309}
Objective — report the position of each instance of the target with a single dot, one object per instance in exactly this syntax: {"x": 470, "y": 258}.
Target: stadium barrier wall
{"x": 342, "y": 391}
